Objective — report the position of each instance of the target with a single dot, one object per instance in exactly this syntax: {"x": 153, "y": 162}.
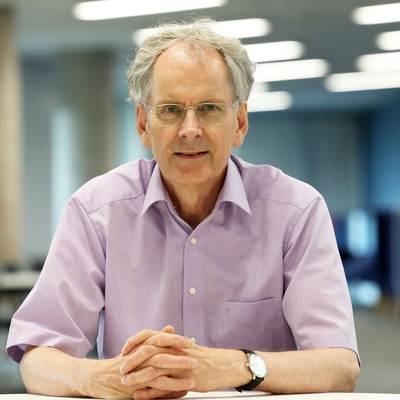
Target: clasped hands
{"x": 165, "y": 364}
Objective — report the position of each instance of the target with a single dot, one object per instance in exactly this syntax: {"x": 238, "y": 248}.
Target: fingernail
{"x": 124, "y": 379}
{"x": 192, "y": 362}
{"x": 123, "y": 349}
{"x": 187, "y": 343}
{"x": 122, "y": 371}
{"x": 137, "y": 396}
{"x": 190, "y": 383}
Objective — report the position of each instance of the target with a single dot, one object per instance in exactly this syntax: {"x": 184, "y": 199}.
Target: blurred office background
{"x": 325, "y": 109}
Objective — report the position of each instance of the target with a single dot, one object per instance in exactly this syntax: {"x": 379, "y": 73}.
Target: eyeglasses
{"x": 207, "y": 113}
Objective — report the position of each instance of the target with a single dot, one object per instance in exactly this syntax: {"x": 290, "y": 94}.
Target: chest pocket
{"x": 253, "y": 325}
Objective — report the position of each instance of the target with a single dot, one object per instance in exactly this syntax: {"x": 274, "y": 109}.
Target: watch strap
{"x": 254, "y": 382}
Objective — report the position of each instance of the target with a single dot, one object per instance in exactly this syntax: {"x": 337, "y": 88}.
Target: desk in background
{"x": 14, "y": 287}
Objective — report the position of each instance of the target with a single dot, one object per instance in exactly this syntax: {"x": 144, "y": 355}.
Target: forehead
{"x": 183, "y": 75}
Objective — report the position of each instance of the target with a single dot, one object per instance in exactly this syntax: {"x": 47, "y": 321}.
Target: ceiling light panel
{"x": 245, "y": 28}
{"x": 242, "y": 28}
{"x": 380, "y": 14}
{"x": 290, "y": 70}
{"x": 356, "y": 81}
{"x": 263, "y": 52}
{"x": 270, "y": 101}
{"x": 259, "y": 87}
{"x": 379, "y": 62}
{"x": 110, "y": 9}
{"x": 388, "y": 41}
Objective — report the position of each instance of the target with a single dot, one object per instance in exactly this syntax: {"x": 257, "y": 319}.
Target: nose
{"x": 190, "y": 127}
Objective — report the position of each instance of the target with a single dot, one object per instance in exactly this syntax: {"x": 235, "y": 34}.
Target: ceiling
{"x": 46, "y": 28}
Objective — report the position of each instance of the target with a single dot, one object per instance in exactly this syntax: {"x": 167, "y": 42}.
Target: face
{"x": 191, "y": 153}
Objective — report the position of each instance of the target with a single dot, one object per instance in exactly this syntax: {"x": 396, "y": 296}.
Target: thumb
{"x": 169, "y": 329}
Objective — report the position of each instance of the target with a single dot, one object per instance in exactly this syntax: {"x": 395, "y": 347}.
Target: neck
{"x": 194, "y": 203}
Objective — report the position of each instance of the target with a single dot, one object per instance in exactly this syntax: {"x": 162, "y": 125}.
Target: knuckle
{"x": 147, "y": 350}
{"x": 160, "y": 359}
{"x": 161, "y": 382}
{"x": 151, "y": 373}
{"x": 145, "y": 332}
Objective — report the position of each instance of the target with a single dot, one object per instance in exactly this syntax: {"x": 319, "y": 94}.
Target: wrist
{"x": 257, "y": 368}
{"x": 95, "y": 376}
{"x": 241, "y": 374}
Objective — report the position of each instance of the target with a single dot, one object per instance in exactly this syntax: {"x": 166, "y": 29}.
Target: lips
{"x": 192, "y": 154}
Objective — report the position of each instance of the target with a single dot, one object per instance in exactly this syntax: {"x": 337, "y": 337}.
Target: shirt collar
{"x": 232, "y": 191}
{"x": 156, "y": 190}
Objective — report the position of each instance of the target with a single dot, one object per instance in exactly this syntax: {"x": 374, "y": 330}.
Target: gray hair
{"x": 197, "y": 35}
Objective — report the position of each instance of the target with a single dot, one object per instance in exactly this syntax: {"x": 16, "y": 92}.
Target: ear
{"x": 243, "y": 124}
{"x": 141, "y": 123}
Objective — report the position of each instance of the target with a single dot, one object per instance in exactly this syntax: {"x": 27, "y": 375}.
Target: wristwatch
{"x": 257, "y": 367}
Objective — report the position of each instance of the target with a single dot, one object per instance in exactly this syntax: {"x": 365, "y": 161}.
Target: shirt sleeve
{"x": 62, "y": 310}
{"x": 316, "y": 302}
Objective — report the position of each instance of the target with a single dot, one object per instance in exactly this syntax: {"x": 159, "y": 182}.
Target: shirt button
{"x": 193, "y": 339}
{"x": 193, "y": 240}
{"x": 192, "y": 290}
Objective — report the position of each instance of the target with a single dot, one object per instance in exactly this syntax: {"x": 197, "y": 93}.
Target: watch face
{"x": 257, "y": 365}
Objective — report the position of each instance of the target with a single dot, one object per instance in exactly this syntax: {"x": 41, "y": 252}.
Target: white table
{"x": 246, "y": 396}
{"x": 14, "y": 287}
{"x": 18, "y": 281}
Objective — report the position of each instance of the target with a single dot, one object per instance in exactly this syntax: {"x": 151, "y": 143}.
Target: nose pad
{"x": 190, "y": 125}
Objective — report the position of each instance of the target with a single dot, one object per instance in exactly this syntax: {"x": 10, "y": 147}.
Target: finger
{"x": 155, "y": 393}
{"x": 174, "y": 385}
{"x": 171, "y": 361}
{"x": 175, "y": 395}
{"x": 137, "y": 339}
{"x": 169, "y": 329}
{"x": 145, "y": 375}
{"x": 160, "y": 364}
{"x": 170, "y": 340}
{"x": 167, "y": 384}
{"x": 156, "y": 378}
{"x": 138, "y": 357}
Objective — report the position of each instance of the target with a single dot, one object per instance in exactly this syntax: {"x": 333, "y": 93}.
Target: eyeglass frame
{"x": 194, "y": 108}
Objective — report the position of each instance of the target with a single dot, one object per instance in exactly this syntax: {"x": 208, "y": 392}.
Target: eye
{"x": 208, "y": 108}
{"x": 170, "y": 109}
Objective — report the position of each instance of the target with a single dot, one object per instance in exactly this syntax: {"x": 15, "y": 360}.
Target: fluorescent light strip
{"x": 263, "y": 52}
{"x": 290, "y": 70}
{"x": 259, "y": 87}
{"x": 356, "y": 81}
{"x": 379, "y": 62}
{"x": 388, "y": 41}
{"x": 109, "y": 9}
{"x": 241, "y": 28}
{"x": 380, "y": 14}
{"x": 245, "y": 28}
{"x": 271, "y": 101}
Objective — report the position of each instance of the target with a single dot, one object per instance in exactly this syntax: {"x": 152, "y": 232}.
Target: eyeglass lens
{"x": 208, "y": 113}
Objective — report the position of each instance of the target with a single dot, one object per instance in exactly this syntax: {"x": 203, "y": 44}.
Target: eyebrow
{"x": 209, "y": 100}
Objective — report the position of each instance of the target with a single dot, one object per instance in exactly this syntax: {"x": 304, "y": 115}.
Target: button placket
{"x": 192, "y": 307}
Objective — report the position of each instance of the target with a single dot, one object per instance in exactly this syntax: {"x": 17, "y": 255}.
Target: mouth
{"x": 191, "y": 155}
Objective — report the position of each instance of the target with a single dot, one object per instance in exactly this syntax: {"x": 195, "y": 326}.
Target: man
{"x": 196, "y": 244}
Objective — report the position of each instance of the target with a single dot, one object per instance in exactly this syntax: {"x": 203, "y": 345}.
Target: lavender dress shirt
{"x": 262, "y": 271}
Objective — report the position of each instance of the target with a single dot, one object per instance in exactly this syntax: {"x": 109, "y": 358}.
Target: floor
{"x": 378, "y": 336}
